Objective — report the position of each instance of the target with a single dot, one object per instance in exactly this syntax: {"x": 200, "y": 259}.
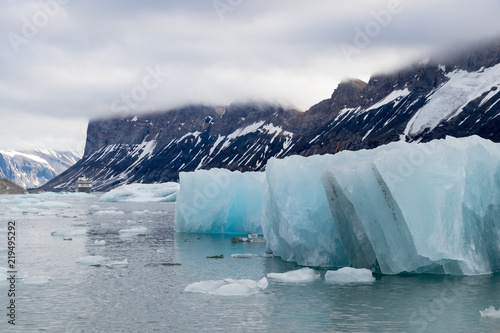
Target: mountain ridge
{"x": 33, "y": 168}
{"x": 422, "y": 102}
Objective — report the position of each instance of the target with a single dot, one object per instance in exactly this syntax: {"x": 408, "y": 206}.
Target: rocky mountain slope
{"x": 30, "y": 169}
{"x": 458, "y": 97}
{"x": 9, "y": 187}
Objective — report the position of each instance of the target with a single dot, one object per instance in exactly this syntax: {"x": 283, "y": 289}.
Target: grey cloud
{"x": 92, "y": 53}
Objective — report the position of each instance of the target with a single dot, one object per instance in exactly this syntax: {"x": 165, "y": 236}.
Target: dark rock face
{"x": 9, "y": 187}
{"x": 420, "y": 103}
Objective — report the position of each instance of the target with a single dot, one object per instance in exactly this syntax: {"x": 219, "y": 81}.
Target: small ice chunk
{"x": 109, "y": 212}
{"x": 490, "y": 312}
{"x": 244, "y": 255}
{"x": 135, "y": 231}
{"x": 36, "y": 280}
{"x": 299, "y": 275}
{"x": 92, "y": 260}
{"x": 228, "y": 287}
{"x": 99, "y": 242}
{"x": 350, "y": 275}
{"x": 205, "y": 287}
{"x": 69, "y": 233}
{"x": 141, "y": 212}
{"x": 262, "y": 283}
{"x": 115, "y": 264}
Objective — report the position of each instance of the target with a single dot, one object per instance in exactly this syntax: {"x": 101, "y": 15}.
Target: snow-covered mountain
{"x": 458, "y": 96}
{"x": 34, "y": 168}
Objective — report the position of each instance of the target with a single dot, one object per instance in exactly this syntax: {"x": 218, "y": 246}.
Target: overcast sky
{"x": 63, "y": 62}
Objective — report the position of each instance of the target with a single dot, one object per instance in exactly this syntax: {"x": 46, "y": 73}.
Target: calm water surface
{"x": 148, "y": 295}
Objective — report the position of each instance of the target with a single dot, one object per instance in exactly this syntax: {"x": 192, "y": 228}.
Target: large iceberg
{"x": 297, "y": 222}
{"x": 423, "y": 208}
{"x": 400, "y": 208}
{"x": 164, "y": 192}
{"x": 219, "y": 201}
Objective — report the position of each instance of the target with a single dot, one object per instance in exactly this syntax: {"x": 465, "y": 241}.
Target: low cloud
{"x": 73, "y": 60}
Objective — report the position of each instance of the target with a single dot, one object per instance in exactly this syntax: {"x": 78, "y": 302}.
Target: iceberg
{"x": 296, "y": 221}
{"x": 420, "y": 208}
{"x": 164, "y": 192}
{"x": 490, "y": 312}
{"x": 400, "y": 208}
{"x": 350, "y": 275}
{"x": 228, "y": 287}
{"x": 219, "y": 201}
{"x": 300, "y": 275}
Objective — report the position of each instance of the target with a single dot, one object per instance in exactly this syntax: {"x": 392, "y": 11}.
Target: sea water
{"x": 145, "y": 293}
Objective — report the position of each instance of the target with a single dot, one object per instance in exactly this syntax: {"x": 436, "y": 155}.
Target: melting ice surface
{"x": 399, "y": 208}
{"x": 165, "y": 192}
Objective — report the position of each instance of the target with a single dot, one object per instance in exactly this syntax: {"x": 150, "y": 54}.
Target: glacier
{"x": 219, "y": 201}
{"x": 400, "y": 208}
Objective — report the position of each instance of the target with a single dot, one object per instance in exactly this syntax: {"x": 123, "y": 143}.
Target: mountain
{"x": 457, "y": 96}
{"x": 30, "y": 169}
{"x": 9, "y": 187}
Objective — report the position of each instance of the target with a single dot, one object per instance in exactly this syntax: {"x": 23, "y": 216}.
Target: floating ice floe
{"x": 228, "y": 287}
{"x": 165, "y": 192}
{"x": 141, "y": 212}
{"x": 350, "y": 275}
{"x": 116, "y": 264}
{"x": 135, "y": 231}
{"x": 36, "y": 279}
{"x": 299, "y": 275}
{"x": 244, "y": 255}
{"x": 69, "y": 233}
{"x": 101, "y": 261}
{"x": 109, "y": 212}
{"x": 92, "y": 260}
{"x": 101, "y": 242}
{"x": 490, "y": 312}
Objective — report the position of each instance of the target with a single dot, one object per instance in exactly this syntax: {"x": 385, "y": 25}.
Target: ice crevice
{"x": 400, "y": 208}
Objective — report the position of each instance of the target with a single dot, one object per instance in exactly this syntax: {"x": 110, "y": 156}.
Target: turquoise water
{"x": 148, "y": 295}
